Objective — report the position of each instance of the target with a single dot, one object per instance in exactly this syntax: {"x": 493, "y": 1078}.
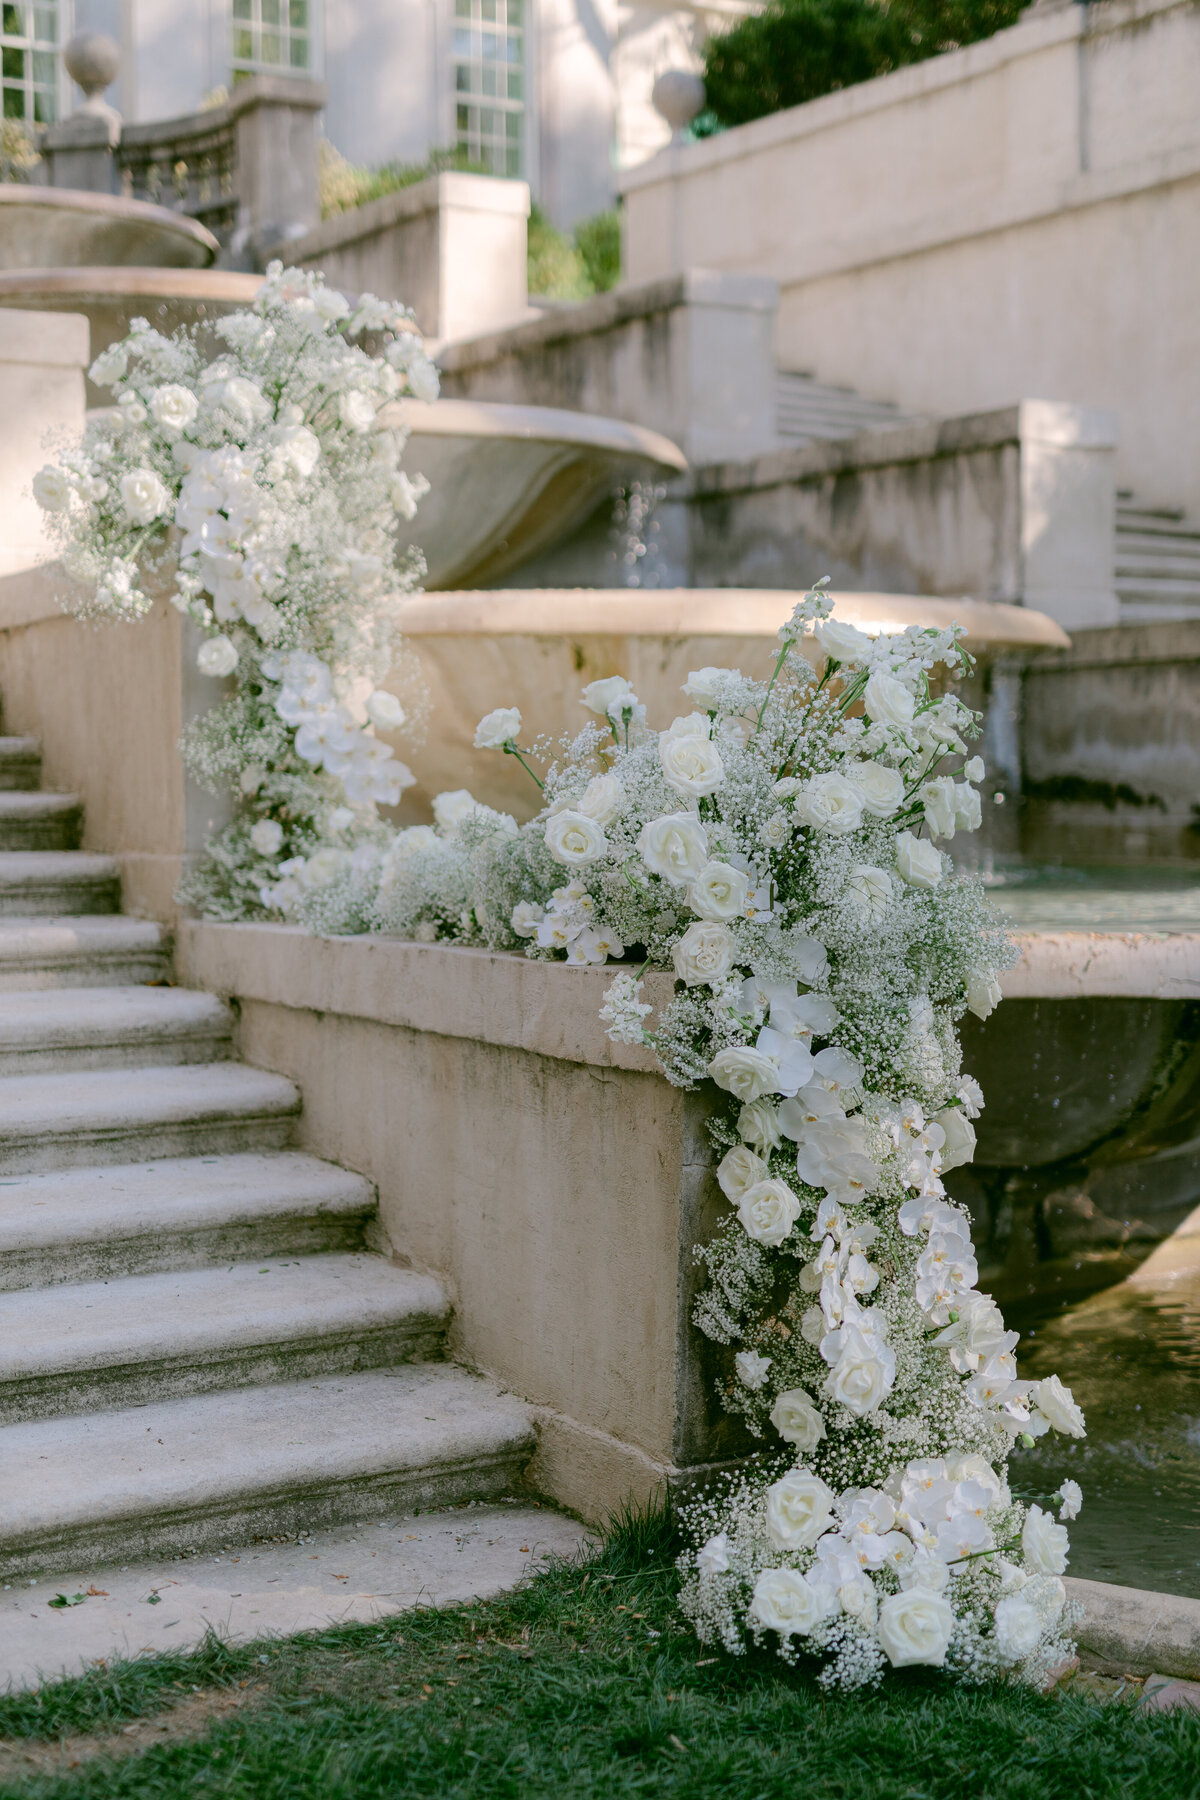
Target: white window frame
{"x": 524, "y": 108}
{"x": 58, "y": 87}
{"x": 239, "y": 67}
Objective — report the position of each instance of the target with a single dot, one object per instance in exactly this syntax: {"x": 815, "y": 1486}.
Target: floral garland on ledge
{"x": 260, "y": 485}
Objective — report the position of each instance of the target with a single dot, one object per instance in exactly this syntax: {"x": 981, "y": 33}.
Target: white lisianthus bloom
{"x": 796, "y": 1418}
{"x": 887, "y": 701}
{"x": 1044, "y": 1543}
{"x": 705, "y": 953}
{"x": 675, "y": 846}
{"x": 745, "y": 1073}
{"x": 799, "y": 1508}
{"x": 356, "y": 410}
{"x": 984, "y": 995}
{"x": 712, "y": 1558}
{"x": 787, "y": 1602}
{"x": 830, "y": 803}
{"x": 143, "y": 496}
{"x": 498, "y": 728}
{"x": 882, "y": 788}
{"x": 691, "y": 765}
{"x": 1058, "y": 1404}
{"x": 959, "y": 1146}
{"x": 173, "y": 408}
{"x": 768, "y": 1211}
{"x": 610, "y": 697}
{"x": 915, "y": 1627}
{"x": 1071, "y": 1495}
{"x": 918, "y": 861}
{"x": 217, "y": 656}
{"x": 752, "y": 1369}
{"x": 844, "y": 643}
{"x": 719, "y": 892}
{"x": 267, "y": 837}
{"x": 385, "y": 711}
{"x": 575, "y": 840}
{"x": 51, "y": 489}
{"x": 526, "y": 917}
{"x": 868, "y": 892}
{"x": 1018, "y": 1627}
{"x": 602, "y": 799}
{"x": 738, "y": 1170}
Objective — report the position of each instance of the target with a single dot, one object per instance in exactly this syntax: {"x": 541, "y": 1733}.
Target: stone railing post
{"x": 275, "y": 122}
{"x": 79, "y": 150}
{"x": 1068, "y": 488}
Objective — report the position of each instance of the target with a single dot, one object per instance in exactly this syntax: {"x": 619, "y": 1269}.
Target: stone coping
{"x": 482, "y": 419}
{"x": 451, "y": 188}
{"x": 1135, "y": 1631}
{"x": 548, "y": 1009}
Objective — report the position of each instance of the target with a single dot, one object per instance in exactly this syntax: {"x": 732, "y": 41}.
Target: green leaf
{"x": 67, "y": 1600}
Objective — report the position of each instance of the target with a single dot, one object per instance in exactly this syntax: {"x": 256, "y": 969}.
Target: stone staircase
{"x": 808, "y": 411}
{"x": 1157, "y": 562}
{"x": 196, "y": 1347}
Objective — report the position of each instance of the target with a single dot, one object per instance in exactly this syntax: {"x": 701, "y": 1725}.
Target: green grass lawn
{"x": 584, "y": 1684}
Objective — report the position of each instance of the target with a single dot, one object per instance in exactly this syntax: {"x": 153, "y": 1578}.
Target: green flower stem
{"x": 510, "y": 749}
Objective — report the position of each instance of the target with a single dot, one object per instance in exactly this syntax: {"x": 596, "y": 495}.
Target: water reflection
{"x": 1132, "y": 1357}
{"x": 1055, "y": 897}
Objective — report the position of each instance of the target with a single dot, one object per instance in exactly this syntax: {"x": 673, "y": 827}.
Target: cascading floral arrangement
{"x": 259, "y": 482}
{"x": 778, "y": 849}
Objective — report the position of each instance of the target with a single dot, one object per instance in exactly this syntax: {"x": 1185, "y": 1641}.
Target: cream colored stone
{"x": 58, "y": 227}
{"x": 1137, "y": 1632}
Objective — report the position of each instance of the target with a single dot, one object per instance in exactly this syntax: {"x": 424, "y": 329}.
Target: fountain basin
{"x": 48, "y": 229}
{"x": 536, "y": 648}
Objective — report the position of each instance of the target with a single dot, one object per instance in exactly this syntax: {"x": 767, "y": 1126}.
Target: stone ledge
{"x": 1136, "y": 1632}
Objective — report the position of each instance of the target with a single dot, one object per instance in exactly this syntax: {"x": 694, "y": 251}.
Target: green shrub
{"x": 343, "y": 185}
{"x": 598, "y": 241}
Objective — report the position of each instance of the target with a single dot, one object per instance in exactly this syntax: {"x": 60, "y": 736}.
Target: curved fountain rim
{"x": 112, "y": 206}
{"x": 707, "y": 612}
{"x": 532, "y": 424}
{"x": 133, "y": 279}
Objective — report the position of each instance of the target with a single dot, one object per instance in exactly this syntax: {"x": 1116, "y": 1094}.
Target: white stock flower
{"x": 796, "y": 1418}
{"x": 743, "y": 1072}
{"x": 143, "y": 496}
{"x": 267, "y": 837}
{"x": 882, "y": 788}
{"x": 498, "y": 728}
{"x": 1044, "y": 1543}
{"x": 1058, "y": 1404}
{"x": 887, "y": 701}
{"x": 738, "y": 1170}
{"x": 984, "y": 995}
{"x": 674, "y": 846}
{"x": 52, "y": 489}
{"x": 830, "y": 803}
{"x": 356, "y": 410}
{"x": 844, "y": 643}
{"x": 915, "y": 1627}
{"x": 575, "y": 840}
{"x": 712, "y": 1558}
{"x": 173, "y": 408}
{"x": 719, "y": 892}
{"x": 691, "y": 765}
{"x": 787, "y": 1602}
{"x": 1071, "y": 1495}
{"x": 768, "y": 1211}
{"x": 1018, "y": 1627}
{"x": 799, "y": 1509}
{"x": 602, "y": 799}
{"x": 217, "y": 656}
{"x": 704, "y": 954}
{"x": 385, "y": 711}
{"x": 752, "y": 1369}
{"x": 918, "y": 861}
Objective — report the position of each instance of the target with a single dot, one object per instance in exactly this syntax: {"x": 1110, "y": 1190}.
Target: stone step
{"x": 1158, "y": 587}
{"x": 81, "y": 952}
{"x": 110, "y": 1028}
{"x": 97, "y": 1224}
{"x": 146, "y": 1338}
{"x": 56, "y": 883}
{"x": 20, "y": 763}
{"x": 40, "y": 821}
{"x": 105, "y": 1116}
{"x": 225, "y": 1467}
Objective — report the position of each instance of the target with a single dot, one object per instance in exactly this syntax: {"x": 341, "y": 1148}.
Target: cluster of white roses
{"x": 243, "y": 471}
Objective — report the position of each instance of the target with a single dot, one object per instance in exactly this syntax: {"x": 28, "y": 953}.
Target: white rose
{"x": 937, "y": 797}
{"x": 217, "y": 656}
{"x": 719, "y": 892}
{"x": 51, "y": 489}
{"x": 1058, "y": 1404}
{"x": 1045, "y": 1543}
{"x": 609, "y": 697}
{"x": 385, "y": 711}
{"x": 745, "y": 1073}
{"x": 602, "y": 799}
{"x": 322, "y": 867}
{"x": 919, "y": 861}
{"x": 423, "y": 379}
{"x": 245, "y": 399}
{"x": 777, "y": 830}
{"x": 1018, "y": 1628}
{"x": 574, "y": 839}
{"x": 173, "y": 408}
{"x": 330, "y": 304}
{"x": 960, "y": 1138}
{"x": 768, "y": 1211}
{"x": 526, "y": 917}
{"x": 869, "y": 891}
{"x": 863, "y": 1375}
{"x": 691, "y": 765}
{"x": 844, "y": 643}
{"x": 738, "y": 1170}
{"x": 787, "y": 1602}
{"x": 799, "y": 1509}
{"x": 713, "y": 1558}
{"x": 830, "y": 803}
{"x": 300, "y": 449}
{"x": 915, "y": 1627}
{"x": 882, "y": 788}
{"x": 143, "y": 496}
{"x": 110, "y": 366}
{"x": 704, "y": 686}
{"x": 983, "y": 995}
{"x": 796, "y": 1418}
{"x": 752, "y": 1369}
{"x": 675, "y": 846}
{"x": 453, "y": 808}
{"x": 887, "y": 701}
{"x": 974, "y": 770}
{"x": 758, "y": 1123}
{"x": 267, "y": 837}
{"x": 497, "y": 728}
{"x": 356, "y": 410}
{"x": 704, "y": 953}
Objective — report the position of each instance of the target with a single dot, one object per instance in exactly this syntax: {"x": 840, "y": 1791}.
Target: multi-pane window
{"x": 489, "y": 82}
{"x": 272, "y": 35}
{"x": 29, "y": 62}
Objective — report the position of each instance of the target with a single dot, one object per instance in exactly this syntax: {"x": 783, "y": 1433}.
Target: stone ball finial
{"x": 93, "y": 61}
{"x": 678, "y": 96}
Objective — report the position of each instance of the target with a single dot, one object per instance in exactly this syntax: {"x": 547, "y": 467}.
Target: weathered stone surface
{"x": 1131, "y": 1630}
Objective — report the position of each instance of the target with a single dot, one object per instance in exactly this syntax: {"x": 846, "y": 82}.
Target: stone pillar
{"x": 275, "y": 120}
{"x": 79, "y": 151}
{"x": 1068, "y": 487}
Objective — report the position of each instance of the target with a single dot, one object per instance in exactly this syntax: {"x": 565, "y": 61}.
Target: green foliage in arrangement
{"x": 797, "y": 50}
